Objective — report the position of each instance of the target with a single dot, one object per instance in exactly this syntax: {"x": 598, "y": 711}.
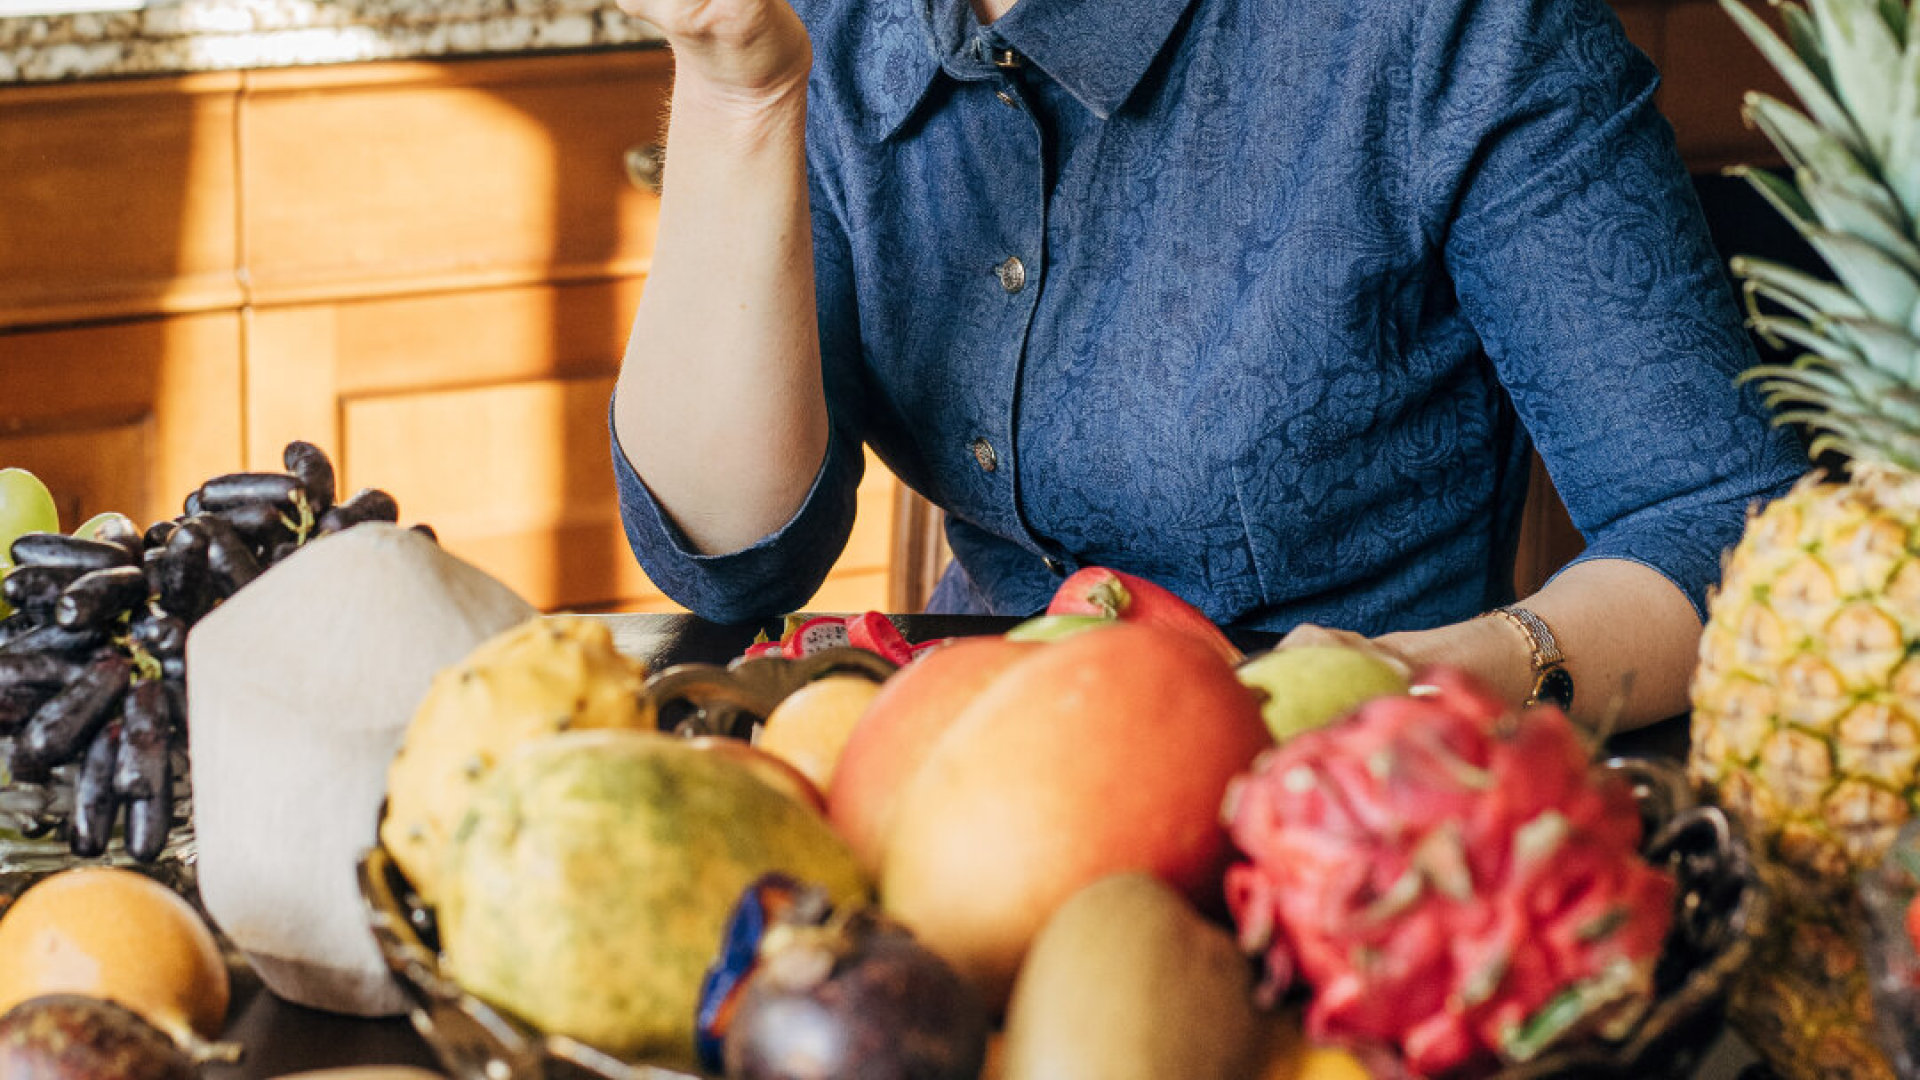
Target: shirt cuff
{"x": 1685, "y": 544}
{"x": 773, "y": 576}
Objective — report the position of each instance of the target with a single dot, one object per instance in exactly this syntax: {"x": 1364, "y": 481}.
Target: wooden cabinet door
{"x": 124, "y": 416}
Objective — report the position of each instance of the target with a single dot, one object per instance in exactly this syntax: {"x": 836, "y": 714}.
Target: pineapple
{"x": 1806, "y": 718}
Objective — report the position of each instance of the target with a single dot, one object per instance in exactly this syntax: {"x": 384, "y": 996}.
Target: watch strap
{"x": 1551, "y": 683}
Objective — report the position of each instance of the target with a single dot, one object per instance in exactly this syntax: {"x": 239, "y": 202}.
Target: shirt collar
{"x": 1097, "y": 50}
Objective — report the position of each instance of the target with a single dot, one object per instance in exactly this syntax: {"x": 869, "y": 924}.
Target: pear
{"x": 1309, "y": 686}
{"x": 1127, "y": 982}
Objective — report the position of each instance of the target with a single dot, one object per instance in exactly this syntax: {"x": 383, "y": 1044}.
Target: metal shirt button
{"x": 1055, "y": 566}
{"x": 1006, "y": 99}
{"x": 1012, "y": 274}
{"x": 984, "y": 455}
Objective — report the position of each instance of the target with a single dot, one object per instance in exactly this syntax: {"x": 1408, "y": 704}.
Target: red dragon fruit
{"x": 872, "y": 631}
{"x": 1453, "y": 881}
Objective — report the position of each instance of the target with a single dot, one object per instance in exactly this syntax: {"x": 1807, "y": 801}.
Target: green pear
{"x": 1306, "y": 686}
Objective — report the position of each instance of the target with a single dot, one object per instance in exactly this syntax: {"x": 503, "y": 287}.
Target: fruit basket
{"x": 1888, "y": 891}
{"x": 1720, "y": 906}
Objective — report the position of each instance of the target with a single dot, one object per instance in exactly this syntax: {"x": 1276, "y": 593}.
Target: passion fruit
{"x": 72, "y": 1037}
{"x": 116, "y": 935}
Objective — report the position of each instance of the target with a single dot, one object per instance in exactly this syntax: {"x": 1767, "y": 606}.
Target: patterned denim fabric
{"x": 1301, "y": 279}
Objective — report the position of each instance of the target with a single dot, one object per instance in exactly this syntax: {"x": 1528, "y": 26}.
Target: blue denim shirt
{"x": 1259, "y": 299}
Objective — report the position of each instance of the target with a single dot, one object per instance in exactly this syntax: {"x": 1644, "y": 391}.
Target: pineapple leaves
{"x": 1864, "y": 58}
{"x": 1842, "y": 211}
{"x": 1795, "y": 289}
{"x": 1808, "y": 86}
{"x": 1888, "y": 350}
{"x": 1807, "y": 145}
{"x": 1901, "y": 166}
{"x": 1781, "y": 195}
{"x": 1805, "y": 39}
{"x": 1886, "y": 288}
{"x": 1895, "y": 14}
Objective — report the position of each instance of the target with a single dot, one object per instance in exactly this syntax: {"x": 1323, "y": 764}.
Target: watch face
{"x": 1554, "y": 687}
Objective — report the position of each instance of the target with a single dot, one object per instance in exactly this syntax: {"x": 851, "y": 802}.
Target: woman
{"x": 1259, "y": 299}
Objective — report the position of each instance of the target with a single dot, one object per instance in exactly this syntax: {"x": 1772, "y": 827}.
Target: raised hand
{"x": 750, "y": 50}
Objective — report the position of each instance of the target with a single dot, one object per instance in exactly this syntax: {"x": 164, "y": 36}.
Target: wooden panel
{"x": 1706, "y": 67}
{"x": 518, "y": 480}
{"x": 1548, "y": 539}
{"x": 422, "y": 177}
{"x": 176, "y": 378}
{"x": 117, "y": 199}
{"x": 86, "y": 469}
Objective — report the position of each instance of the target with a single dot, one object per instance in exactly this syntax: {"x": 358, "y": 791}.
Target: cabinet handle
{"x": 645, "y": 164}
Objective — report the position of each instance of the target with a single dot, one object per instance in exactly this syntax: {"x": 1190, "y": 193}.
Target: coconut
{"x": 300, "y": 688}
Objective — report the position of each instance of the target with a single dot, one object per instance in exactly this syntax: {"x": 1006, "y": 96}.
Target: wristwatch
{"x": 1551, "y": 683}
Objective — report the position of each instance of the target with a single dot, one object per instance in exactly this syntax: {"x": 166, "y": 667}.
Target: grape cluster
{"x": 93, "y": 660}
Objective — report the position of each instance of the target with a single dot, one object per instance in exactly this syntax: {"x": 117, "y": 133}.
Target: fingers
{"x": 1311, "y": 634}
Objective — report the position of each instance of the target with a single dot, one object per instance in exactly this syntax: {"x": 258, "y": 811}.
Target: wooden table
{"x": 279, "y": 1038}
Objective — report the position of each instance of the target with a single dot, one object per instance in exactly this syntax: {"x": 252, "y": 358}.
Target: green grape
{"x": 91, "y": 530}
{"x": 25, "y": 506}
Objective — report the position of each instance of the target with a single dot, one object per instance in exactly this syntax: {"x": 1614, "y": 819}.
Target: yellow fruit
{"x": 1290, "y": 1056}
{"x": 809, "y": 727}
{"x": 590, "y": 885}
{"x": 1806, "y": 725}
{"x": 535, "y": 680}
{"x": 117, "y": 935}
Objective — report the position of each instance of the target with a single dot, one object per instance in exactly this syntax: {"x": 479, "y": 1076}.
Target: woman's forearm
{"x": 1629, "y": 635}
{"x": 720, "y": 406}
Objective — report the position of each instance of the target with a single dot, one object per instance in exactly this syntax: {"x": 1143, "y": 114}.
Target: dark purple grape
{"x": 15, "y": 625}
{"x": 148, "y": 822}
{"x": 95, "y": 805}
{"x": 48, "y": 638}
{"x": 260, "y": 524}
{"x": 118, "y": 531}
{"x": 425, "y": 530}
{"x": 37, "y": 669}
{"x": 70, "y": 552}
{"x": 146, "y": 730}
{"x": 229, "y": 558}
{"x": 62, "y": 727}
{"x": 36, "y": 589}
{"x": 179, "y": 576}
{"x": 19, "y": 702}
{"x": 160, "y": 634}
{"x": 237, "y": 489}
{"x": 308, "y": 463}
{"x": 99, "y": 596}
{"x": 158, "y": 532}
{"x": 370, "y": 504}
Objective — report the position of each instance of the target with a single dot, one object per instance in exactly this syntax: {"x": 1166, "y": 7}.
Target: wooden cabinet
{"x": 429, "y": 269}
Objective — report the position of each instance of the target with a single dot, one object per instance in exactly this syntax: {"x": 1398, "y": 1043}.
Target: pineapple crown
{"x": 1853, "y": 192}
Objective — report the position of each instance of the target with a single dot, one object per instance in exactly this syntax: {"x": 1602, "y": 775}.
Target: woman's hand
{"x": 1309, "y": 634}
{"x": 752, "y": 51}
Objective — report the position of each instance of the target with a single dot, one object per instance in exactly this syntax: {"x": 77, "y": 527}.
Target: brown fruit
{"x": 71, "y": 1037}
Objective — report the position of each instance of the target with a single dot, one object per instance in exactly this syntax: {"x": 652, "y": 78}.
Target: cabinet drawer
{"x": 124, "y": 416}
{"x": 117, "y": 199}
{"x": 423, "y": 177}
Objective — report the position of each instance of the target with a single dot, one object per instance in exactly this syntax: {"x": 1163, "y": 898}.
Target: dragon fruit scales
{"x": 1454, "y": 882}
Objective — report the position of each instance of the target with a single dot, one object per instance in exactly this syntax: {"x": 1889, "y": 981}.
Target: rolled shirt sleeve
{"x": 780, "y": 571}
{"x": 1580, "y": 255}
